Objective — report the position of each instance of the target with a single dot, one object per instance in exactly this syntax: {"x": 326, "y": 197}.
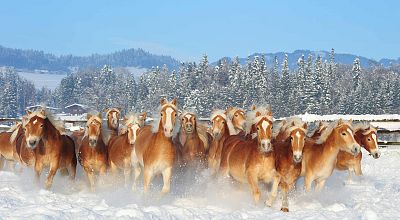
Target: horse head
{"x": 93, "y": 128}
{"x": 168, "y": 114}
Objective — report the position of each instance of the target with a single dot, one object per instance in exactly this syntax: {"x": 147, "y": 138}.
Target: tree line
{"x": 315, "y": 86}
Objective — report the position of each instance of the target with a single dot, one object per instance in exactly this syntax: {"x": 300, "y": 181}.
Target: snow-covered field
{"x": 376, "y": 195}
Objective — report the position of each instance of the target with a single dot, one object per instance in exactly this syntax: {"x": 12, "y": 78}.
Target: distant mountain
{"x": 339, "y": 58}
{"x": 34, "y": 59}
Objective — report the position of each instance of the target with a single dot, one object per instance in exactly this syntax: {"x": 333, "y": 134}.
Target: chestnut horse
{"x": 26, "y": 155}
{"x": 288, "y": 145}
{"x": 113, "y": 115}
{"x": 238, "y": 118}
{"x": 365, "y": 135}
{"x": 319, "y": 129}
{"x": 154, "y": 150}
{"x": 8, "y": 149}
{"x": 58, "y": 150}
{"x": 190, "y": 147}
{"x": 220, "y": 132}
{"x": 319, "y": 156}
{"x": 253, "y": 160}
{"x": 120, "y": 147}
{"x": 93, "y": 155}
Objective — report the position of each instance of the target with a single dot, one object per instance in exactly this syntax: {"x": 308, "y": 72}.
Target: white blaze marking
{"x": 35, "y": 121}
{"x": 264, "y": 125}
{"x": 188, "y": 116}
{"x": 168, "y": 120}
{"x": 375, "y": 141}
{"x": 298, "y": 135}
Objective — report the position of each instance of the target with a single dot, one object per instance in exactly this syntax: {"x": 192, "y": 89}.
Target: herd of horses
{"x": 247, "y": 147}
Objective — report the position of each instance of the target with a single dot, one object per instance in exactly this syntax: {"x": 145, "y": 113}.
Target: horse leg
{"x": 285, "y": 200}
{"x": 274, "y": 191}
{"x": 137, "y": 170}
{"x": 307, "y": 183}
{"x": 166, "y": 173}
{"x": 253, "y": 181}
{"x": 357, "y": 169}
{"x": 127, "y": 174}
{"x": 72, "y": 168}
{"x": 90, "y": 175}
{"x": 1, "y": 162}
{"x": 147, "y": 176}
{"x": 52, "y": 173}
{"x": 38, "y": 170}
{"x": 349, "y": 178}
{"x": 319, "y": 185}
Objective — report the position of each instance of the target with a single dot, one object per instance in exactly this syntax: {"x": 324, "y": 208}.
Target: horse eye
{"x": 236, "y": 115}
{"x": 369, "y": 139}
{"x": 175, "y": 114}
{"x": 41, "y": 125}
{"x": 344, "y": 134}
{"x": 258, "y": 128}
{"x": 24, "y": 129}
{"x": 161, "y": 114}
{"x": 223, "y": 122}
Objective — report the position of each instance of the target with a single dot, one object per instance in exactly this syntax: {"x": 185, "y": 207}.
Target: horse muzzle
{"x": 189, "y": 128}
{"x": 297, "y": 158}
{"x": 376, "y": 154}
{"x": 217, "y": 134}
{"x": 168, "y": 132}
{"x": 32, "y": 143}
{"x": 355, "y": 149}
{"x": 266, "y": 146}
{"x": 92, "y": 142}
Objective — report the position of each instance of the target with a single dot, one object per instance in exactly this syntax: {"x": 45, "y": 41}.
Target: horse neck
{"x": 330, "y": 150}
{"x": 358, "y": 136}
{"x": 51, "y": 133}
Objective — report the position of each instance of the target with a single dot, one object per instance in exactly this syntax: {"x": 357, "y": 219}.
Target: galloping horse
{"x": 238, "y": 118}
{"x": 220, "y": 132}
{"x": 8, "y": 149}
{"x": 191, "y": 148}
{"x": 58, "y": 150}
{"x": 113, "y": 116}
{"x": 26, "y": 155}
{"x": 319, "y": 156}
{"x": 121, "y": 147}
{"x": 253, "y": 160}
{"x": 365, "y": 136}
{"x": 288, "y": 145}
{"x": 93, "y": 155}
{"x": 154, "y": 149}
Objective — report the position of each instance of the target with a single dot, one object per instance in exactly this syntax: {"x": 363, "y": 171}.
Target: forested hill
{"x": 340, "y": 58}
{"x": 34, "y": 59}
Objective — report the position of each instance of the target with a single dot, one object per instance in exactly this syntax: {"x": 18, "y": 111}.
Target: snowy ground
{"x": 374, "y": 196}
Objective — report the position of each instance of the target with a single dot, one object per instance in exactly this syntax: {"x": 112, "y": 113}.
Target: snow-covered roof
{"x": 39, "y": 106}
{"x": 75, "y": 104}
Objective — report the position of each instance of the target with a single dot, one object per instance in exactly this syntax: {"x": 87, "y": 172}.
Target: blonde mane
{"x": 14, "y": 129}
{"x": 325, "y": 134}
{"x": 366, "y": 127}
{"x": 46, "y": 114}
{"x": 253, "y": 119}
{"x": 231, "y": 112}
{"x": 288, "y": 126}
{"x": 130, "y": 118}
{"x": 231, "y": 128}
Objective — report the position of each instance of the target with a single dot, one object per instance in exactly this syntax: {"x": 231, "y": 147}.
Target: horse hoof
{"x": 285, "y": 209}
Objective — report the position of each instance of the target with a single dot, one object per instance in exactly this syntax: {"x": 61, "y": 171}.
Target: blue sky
{"x": 188, "y": 29}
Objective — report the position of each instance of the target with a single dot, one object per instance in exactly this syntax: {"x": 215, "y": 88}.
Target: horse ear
{"x": 270, "y": 113}
{"x": 305, "y": 125}
{"x": 163, "y": 101}
{"x": 106, "y": 110}
{"x": 253, "y": 107}
{"x": 174, "y": 101}
{"x": 351, "y": 121}
{"x": 43, "y": 111}
{"x": 143, "y": 115}
{"x": 258, "y": 114}
{"x": 88, "y": 116}
{"x": 99, "y": 115}
{"x": 340, "y": 121}
{"x": 293, "y": 124}
{"x": 28, "y": 112}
